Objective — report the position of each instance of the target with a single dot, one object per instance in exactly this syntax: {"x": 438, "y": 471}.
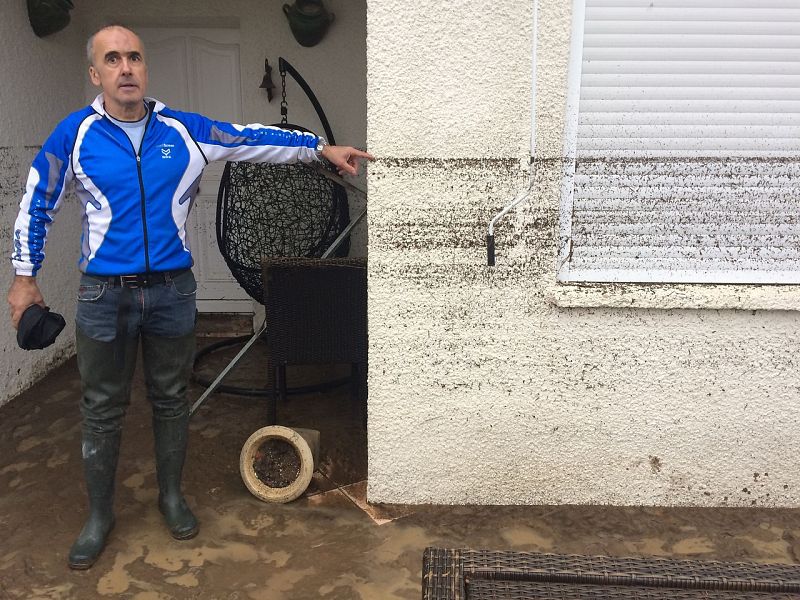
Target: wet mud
{"x": 330, "y": 543}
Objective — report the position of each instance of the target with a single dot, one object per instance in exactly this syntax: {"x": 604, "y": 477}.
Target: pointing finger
{"x": 362, "y": 154}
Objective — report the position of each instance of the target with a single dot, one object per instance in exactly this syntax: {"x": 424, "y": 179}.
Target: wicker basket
{"x": 503, "y": 575}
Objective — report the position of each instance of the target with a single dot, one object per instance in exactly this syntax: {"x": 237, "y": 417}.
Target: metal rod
{"x": 214, "y": 384}
{"x": 490, "y": 236}
{"x": 320, "y": 168}
{"x": 343, "y": 236}
{"x": 520, "y": 197}
{"x": 283, "y": 64}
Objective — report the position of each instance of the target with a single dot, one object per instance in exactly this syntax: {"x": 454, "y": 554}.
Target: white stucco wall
{"x": 484, "y": 386}
{"x": 41, "y": 83}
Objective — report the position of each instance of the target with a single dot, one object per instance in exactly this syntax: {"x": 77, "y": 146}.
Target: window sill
{"x": 675, "y": 296}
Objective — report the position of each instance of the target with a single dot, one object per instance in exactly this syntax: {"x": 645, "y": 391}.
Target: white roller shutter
{"x": 683, "y": 142}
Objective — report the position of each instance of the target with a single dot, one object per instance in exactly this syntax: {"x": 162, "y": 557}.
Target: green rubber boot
{"x": 106, "y": 394}
{"x": 171, "y": 437}
{"x": 168, "y": 363}
{"x": 100, "y": 454}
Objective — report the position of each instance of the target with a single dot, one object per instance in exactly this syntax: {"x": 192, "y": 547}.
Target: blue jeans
{"x": 163, "y": 310}
{"x": 162, "y": 316}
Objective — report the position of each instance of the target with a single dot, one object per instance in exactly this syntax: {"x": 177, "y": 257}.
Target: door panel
{"x": 168, "y": 71}
{"x": 215, "y": 84}
{"x": 197, "y": 70}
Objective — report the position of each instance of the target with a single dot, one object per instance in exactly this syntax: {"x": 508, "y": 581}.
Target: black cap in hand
{"x": 38, "y": 327}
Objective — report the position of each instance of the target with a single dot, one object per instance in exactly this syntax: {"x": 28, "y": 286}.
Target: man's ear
{"x": 93, "y": 76}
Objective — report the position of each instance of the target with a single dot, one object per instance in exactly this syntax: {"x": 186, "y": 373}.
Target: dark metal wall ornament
{"x": 266, "y": 83}
{"x": 49, "y": 16}
{"x": 309, "y": 21}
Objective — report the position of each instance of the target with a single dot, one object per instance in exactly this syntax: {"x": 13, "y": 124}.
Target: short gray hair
{"x": 90, "y": 41}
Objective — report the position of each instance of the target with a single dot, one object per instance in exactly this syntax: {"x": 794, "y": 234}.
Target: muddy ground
{"x": 328, "y": 544}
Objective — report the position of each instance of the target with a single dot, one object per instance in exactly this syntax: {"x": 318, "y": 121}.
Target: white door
{"x": 197, "y": 70}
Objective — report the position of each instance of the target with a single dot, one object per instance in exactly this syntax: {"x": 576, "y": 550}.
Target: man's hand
{"x": 345, "y": 158}
{"x": 23, "y": 293}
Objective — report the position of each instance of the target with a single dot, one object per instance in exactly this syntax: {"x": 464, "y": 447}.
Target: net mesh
{"x": 268, "y": 210}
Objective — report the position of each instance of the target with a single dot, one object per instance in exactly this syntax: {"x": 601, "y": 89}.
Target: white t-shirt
{"x": 133, "y": 129}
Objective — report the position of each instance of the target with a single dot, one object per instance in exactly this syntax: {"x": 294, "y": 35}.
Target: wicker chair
{"x": 316, "y": 311}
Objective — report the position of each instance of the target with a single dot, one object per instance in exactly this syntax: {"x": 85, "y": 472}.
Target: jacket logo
{"x": 165, "y": 153}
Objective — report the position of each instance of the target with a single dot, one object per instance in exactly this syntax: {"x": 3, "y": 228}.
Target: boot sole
{"x": 186, "y": 536}
{"x": 80, "y": 566}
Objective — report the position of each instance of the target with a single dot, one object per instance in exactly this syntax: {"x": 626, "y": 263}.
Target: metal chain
{"x": 284, "y": 106}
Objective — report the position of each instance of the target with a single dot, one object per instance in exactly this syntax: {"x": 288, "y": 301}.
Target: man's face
{"x": 119, "y": 69}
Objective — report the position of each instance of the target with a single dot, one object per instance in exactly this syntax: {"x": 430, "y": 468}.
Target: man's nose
{"x": 126, "y": 65}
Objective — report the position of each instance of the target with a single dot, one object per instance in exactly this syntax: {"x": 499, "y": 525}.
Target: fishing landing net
{"x": 268, "y": 210}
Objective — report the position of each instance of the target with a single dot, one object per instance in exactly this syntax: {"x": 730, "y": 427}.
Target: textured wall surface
{"x": 42, "y": 82}
{"x": 482, "y": 388}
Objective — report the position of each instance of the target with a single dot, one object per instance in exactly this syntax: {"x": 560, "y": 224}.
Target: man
{"x": 136, "y": 165}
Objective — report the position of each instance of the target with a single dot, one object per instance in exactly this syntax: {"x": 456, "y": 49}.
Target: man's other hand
{"x": 23, "y": 293}
{"x": 345, "y": 158}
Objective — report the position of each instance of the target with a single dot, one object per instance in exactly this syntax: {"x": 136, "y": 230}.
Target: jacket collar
{"x": 99, "y": 108}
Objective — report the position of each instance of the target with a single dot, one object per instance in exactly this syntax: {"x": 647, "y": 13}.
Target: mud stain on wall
{"x": 485, "y": 344}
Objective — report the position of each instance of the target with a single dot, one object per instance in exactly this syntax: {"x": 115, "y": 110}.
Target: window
{"x": 682, "y": 143}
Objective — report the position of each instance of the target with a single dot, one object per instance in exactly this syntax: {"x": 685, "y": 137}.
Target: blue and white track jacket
{"x": 135, "y": 203}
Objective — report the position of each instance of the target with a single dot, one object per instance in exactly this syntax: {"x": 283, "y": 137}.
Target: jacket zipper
{"x": 144, "y": 215}
{"x": 138, "y": 154}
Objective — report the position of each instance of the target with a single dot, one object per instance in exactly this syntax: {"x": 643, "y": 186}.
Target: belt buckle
{"x": 130, "y": 281}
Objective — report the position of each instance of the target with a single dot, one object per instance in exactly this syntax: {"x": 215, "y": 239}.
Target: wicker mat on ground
{"x": 502, "y": 575}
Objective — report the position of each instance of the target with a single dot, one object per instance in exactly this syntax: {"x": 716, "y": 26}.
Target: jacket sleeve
{"x": 50, "y": 173}
{"x": 251, "y": 143}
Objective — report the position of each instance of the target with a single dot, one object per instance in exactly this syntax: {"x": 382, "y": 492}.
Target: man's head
{"x": 116, "y": 64}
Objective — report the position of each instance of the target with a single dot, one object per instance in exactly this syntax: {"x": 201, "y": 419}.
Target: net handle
{"x": 284, "y": 66}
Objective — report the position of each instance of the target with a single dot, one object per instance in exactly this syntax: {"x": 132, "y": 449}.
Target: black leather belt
{"x": 127, "y": 283}
{"x": 139, "y": 280}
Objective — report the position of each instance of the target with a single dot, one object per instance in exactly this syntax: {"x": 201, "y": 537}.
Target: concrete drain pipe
{"x": 305, "y": 445}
